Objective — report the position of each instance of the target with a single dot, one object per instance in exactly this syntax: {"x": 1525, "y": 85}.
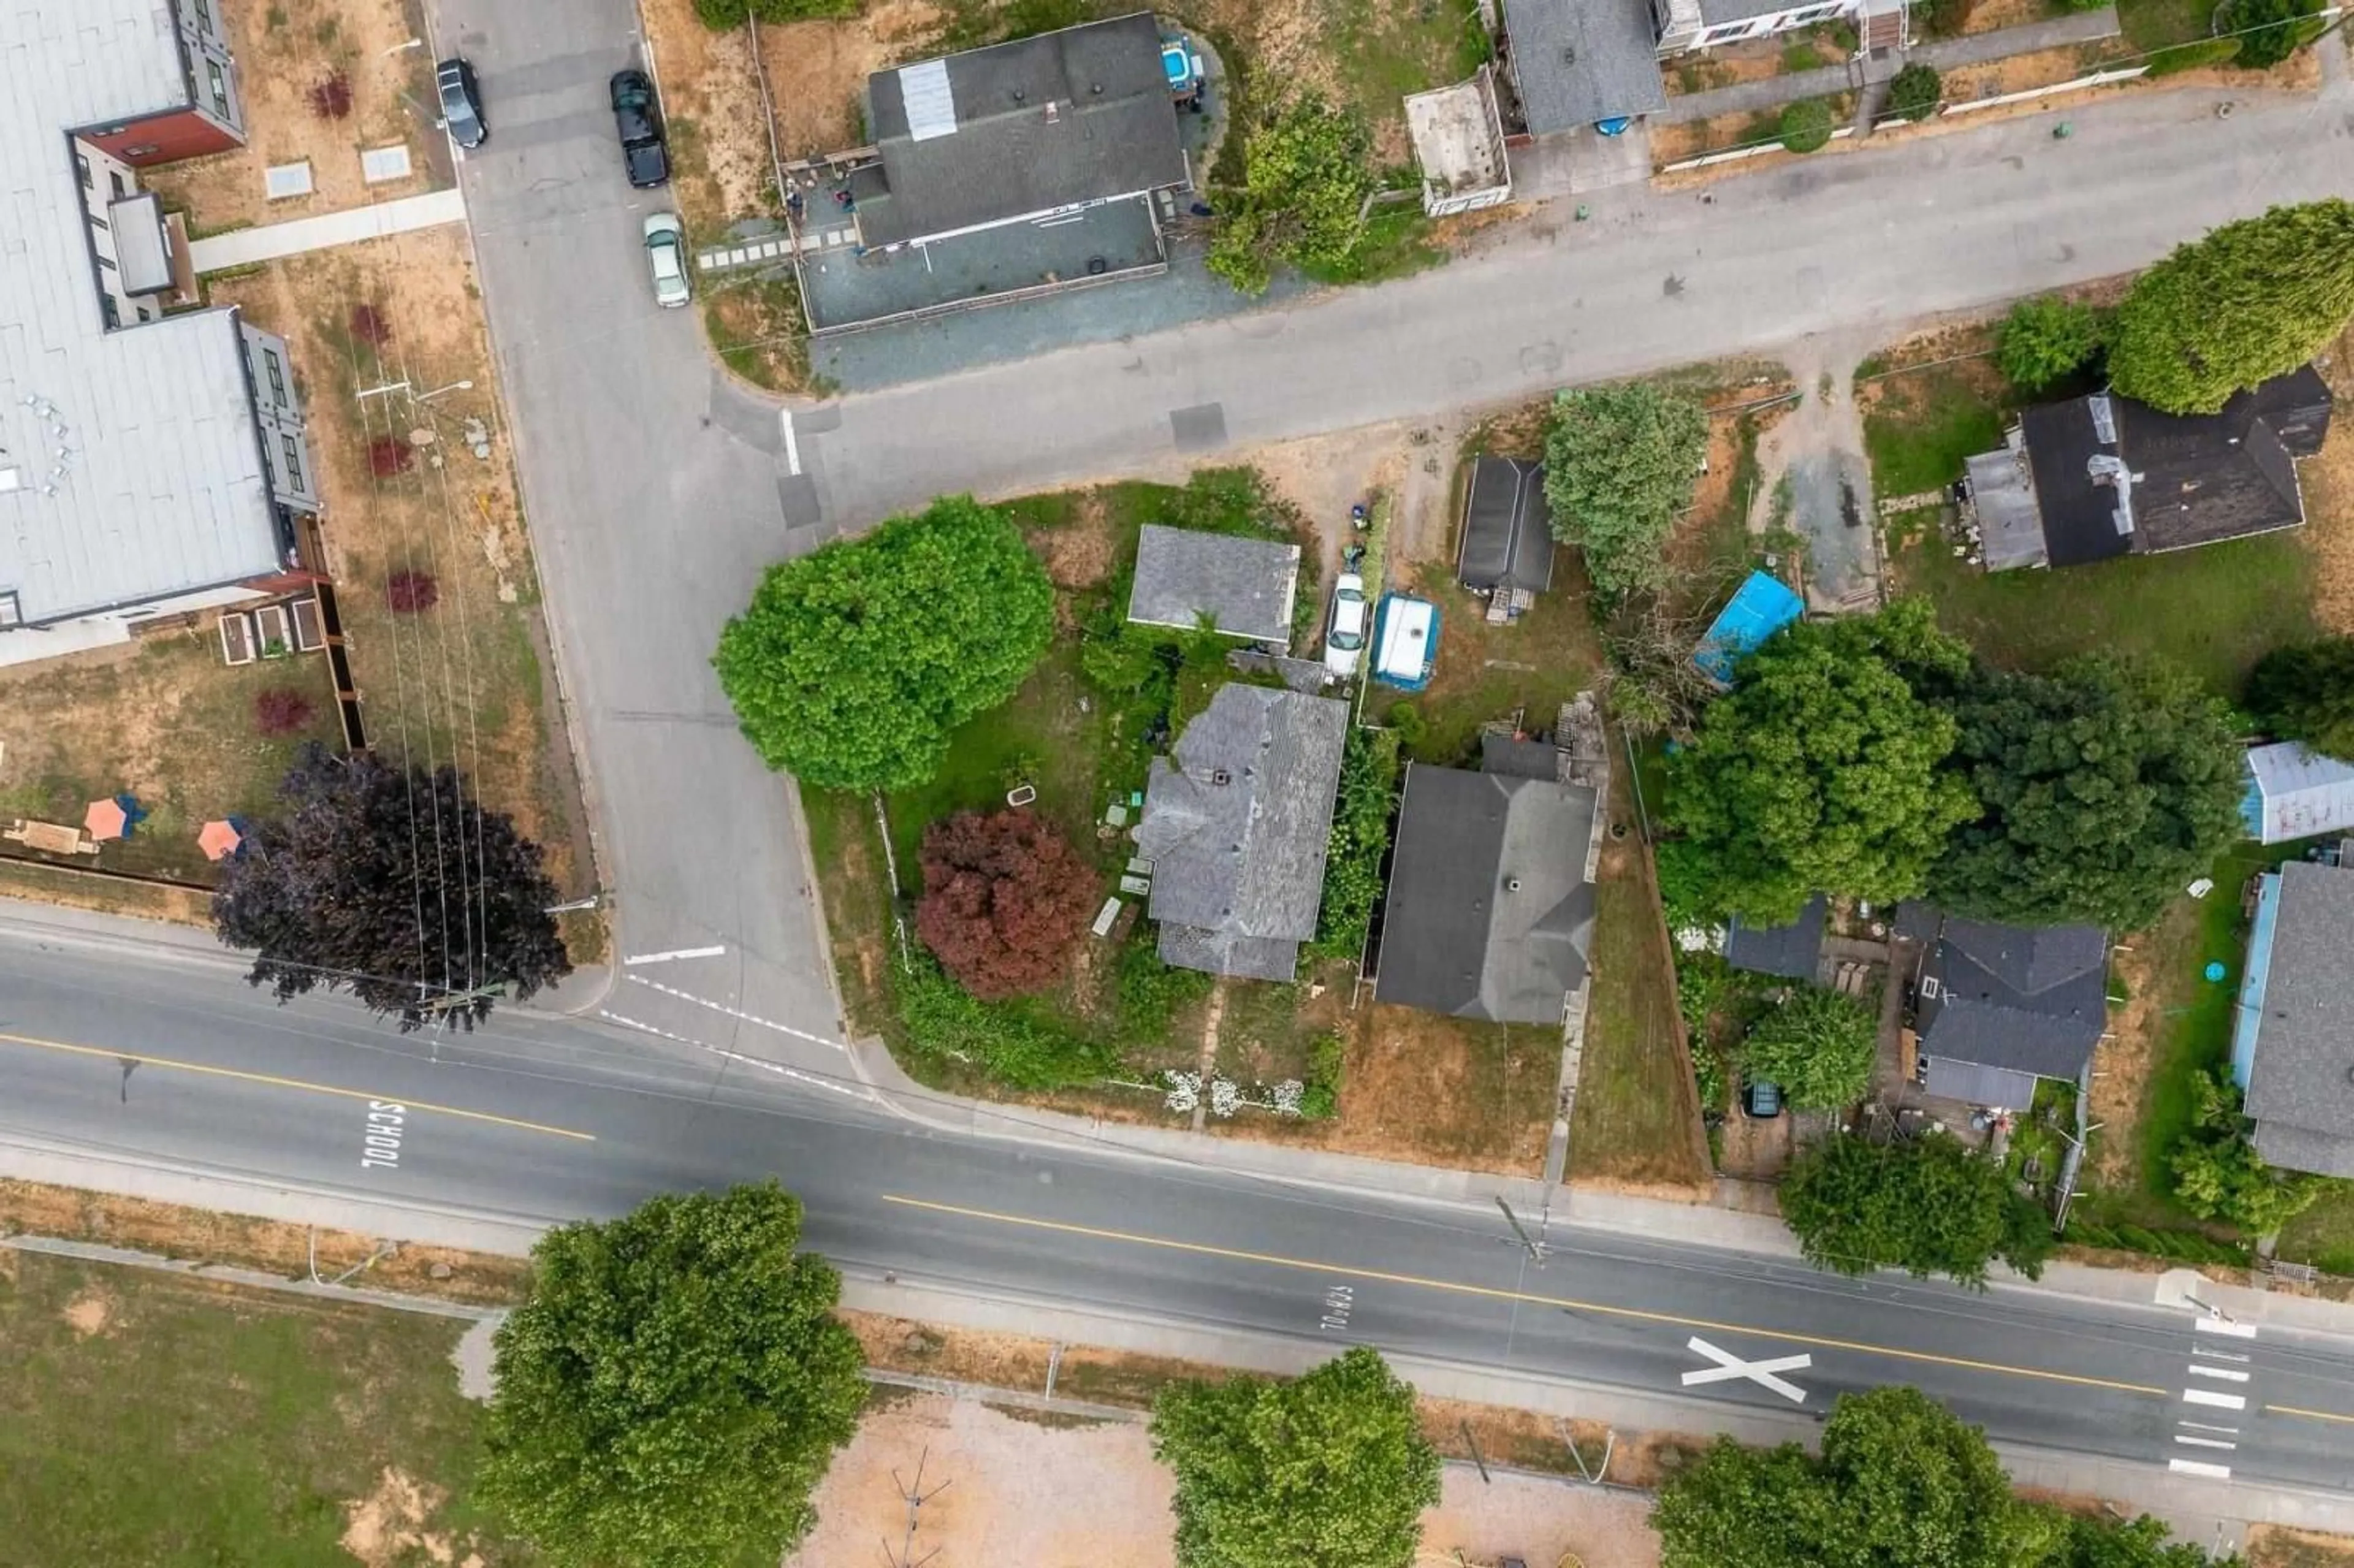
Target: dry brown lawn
{"x": 285, "y": 50}
{"x": 2329, "y": 499}
{"x": 468, "y": 681}
{"x": 2275, "y": 1546}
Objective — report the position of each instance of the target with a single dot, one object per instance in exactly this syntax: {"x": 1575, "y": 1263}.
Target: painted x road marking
{"x": 1729, "y": 1366}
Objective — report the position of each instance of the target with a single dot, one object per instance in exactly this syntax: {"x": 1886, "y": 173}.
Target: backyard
{"x": 2215, "y": 610}
{"x": 1378, "y": 1080}
{"x": 423, "y": 530}
{"x": 155, "y": 1419}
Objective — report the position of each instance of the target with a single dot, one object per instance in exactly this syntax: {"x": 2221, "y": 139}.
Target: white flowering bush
{"x": 1225, "y": 1096}
{"x": 1283, "y": 1098}
{"x": 1184, "y": 1090}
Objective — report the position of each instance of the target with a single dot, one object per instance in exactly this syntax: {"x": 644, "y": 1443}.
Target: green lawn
{"x": 1926, "y": 424}
{"x": 2154, "y": 24}
{"x": 198, "y": 1425}
{"x": 2323, "y": 1233}
{"x": 2216, "y": 610}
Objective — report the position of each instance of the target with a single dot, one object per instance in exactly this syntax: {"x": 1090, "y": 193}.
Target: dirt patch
{"x": 90, "y": 1312}
{"x": 1080, "y": 555}
{"x": 72, "y": 1213}
{"x": 419, "y": 481}
{"x": 2329, "y": 479}
{"x": 1323, "y": 476}
{"x": 2015, "y": 73}
{"x": 2121, "y": 1068}
{"x": 387, "y": 1527}
{"x": 719, "y": 153}
{"x": 287, "y": 51}
{"x": 2275, "y": 1546}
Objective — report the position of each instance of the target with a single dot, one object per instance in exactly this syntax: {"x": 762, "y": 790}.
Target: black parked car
{"x": 639, "y": 120}
{"x": 462, "y": 102}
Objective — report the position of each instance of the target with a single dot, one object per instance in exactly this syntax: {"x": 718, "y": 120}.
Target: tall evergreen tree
{"x": 2251, "y": 300}
{"x": 398, "y": 887}
{"x": 2305, "y": 692}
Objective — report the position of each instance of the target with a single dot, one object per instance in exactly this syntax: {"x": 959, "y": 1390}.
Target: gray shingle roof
{"x": 164, "y": 491}
{"x": 1955, "y": 1080}
{"x": 1577, "y": 61}
{"x": 1039, "y": 124}
{"x": 1236, "y": 823}
{"x": 1507, "y": 527}
{"x": 2299, "y": 1089}
{"x": 1794, "y": 951}
{"x": 1245, "y": 586}
{"x": 2033, "y": 999}
{"x": 1489, "y": 915}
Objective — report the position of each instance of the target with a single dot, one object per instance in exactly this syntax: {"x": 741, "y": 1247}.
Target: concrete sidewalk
{"x": 1945, "y": 54}
{"x": 247, "y": 247}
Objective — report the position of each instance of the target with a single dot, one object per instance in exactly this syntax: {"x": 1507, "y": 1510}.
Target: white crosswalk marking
{"x": 2199, "y": 1467}
{"x": 2209, "y": 1396}
{"x": 2202, "y": 1442}
{"x": 2221, "y": 1374}
{"x": 2224, "y": 1327}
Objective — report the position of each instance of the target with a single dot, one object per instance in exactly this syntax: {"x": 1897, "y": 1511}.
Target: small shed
{"x": 1244, "y": 585}
{"x": 2295, "y": 793}
{"x": 1506, "y": 540}
{"x": 1761, "y": 607}
{"x": 1794, "y": 951}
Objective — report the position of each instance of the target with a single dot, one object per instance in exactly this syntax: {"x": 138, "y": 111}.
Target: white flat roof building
{"x": 133, "y": 466}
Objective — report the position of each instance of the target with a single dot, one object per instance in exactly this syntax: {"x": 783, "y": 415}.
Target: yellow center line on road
{"x": 278, "y": 1083}
{"x": 2310, "y": 1414}
{"x": 1278, "y": 1260}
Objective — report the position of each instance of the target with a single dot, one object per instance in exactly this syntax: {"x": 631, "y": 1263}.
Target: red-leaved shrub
{"x": 1005, "y": 898}
{"x": 369, "y": 326}
{"x": 331, "y": 98}
{"x": 410, "y": 593}
{"x": 388, "y": 455}
{"x": 280, "y": 712}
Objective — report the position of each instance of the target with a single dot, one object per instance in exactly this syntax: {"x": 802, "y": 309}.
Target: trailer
{"x": 1406, "y": 642}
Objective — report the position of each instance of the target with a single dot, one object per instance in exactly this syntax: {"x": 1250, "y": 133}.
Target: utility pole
{"x": 915, "y": 1497}
{"x": 1535, "y": 1248}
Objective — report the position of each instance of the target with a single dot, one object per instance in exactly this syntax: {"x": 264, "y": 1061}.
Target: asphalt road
{"x": 548, "y": 1120}
{"x": 657, "y": 490}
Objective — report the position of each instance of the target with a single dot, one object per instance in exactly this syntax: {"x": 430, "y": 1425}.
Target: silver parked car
{"x": 1344, "y": 633}
{"x": 666, "y": 254}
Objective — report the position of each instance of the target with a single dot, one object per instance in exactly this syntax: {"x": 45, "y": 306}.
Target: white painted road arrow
{"x": 1729, "y": 1366}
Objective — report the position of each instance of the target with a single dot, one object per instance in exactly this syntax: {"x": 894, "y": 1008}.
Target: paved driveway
{"x": 657, "y": 491}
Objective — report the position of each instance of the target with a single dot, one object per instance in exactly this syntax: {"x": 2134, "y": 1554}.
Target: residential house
{"x": 1241, "y": 585}
{"x": 151, "y": 463}
{"x": 1792, "y": 951}
{"x": 2292, "y": 1039}
{"x": 1236, "y": 824}
{"x": 2102, "y": 476}
{"x": 1576, "y": 63}
{"x": 1998, "y": 1006}
{"x": 1490, "y": 913}
{"x": 1758, "y": 609}
{"x": 1505, "y": 551}
{"x": 2295, "y": 793}
{"x": 1039, "y": 129}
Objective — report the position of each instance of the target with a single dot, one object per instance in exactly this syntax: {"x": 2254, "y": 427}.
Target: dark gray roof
{"x": 2300, "y": 1149}
{"x": 1020, "y": 129}
{"x": 2299, "y": 1089}
{"x": 1794, "y": 951}
{"x": 163, "y": 490}
{"x": 1918, "y": 920}
{"x": 1507, "y": 527}
{"x": 1577, "y": 61}
{"x": 1489, "y": 914}
{"x": 2113, "y": 476}
{"x": 2034, "y": 1000}
{"x": 1518, "y": 757}
{"x": 1999, "y": 1086}
{"x": 1236, "y": 824}
{"x": 1244, "y": 586}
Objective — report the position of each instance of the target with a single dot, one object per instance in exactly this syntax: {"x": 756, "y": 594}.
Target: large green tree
{"x": 2251, "y": 300}
{"x": 2305, "y": 692}
{"x": 670, "y": 1390}
{"x": 1330, "y": 1471}
{"x": 2104, "y": 790}
{"x": 1306, "y": 175}
{"x": 1817, "y": 1045}
{"x": 2270, "y": 30}
{"x": 1820, "y": 771}
{"x": 853, "y": 663}
{"x": 1928, "y": 1206}
{"x": 1621, "y": 465}
{"x": 1901, "y": 1483}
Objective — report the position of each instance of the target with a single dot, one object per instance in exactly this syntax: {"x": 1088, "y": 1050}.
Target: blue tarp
{"x": 2246, "y": 1022}
{"x": 1762, "y": 607}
